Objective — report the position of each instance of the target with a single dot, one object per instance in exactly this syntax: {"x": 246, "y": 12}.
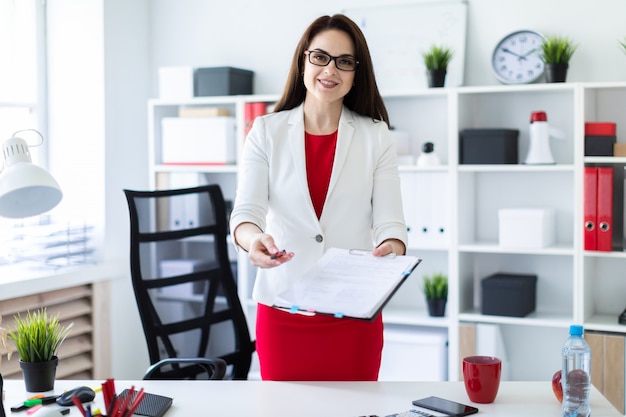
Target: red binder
{"x": 590, "y": 208}
{"x": 605, "y": 209}
{"x": 251, "y": 111}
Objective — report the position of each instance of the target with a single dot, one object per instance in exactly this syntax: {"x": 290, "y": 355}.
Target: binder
{"x": 409, "y": 206}
{"x": 423, "y": 192}
{"x": 251, "y": 111}
{"x": 590, "y": 215}
{"x": 347, "y": 283}
{"x": 605, "y": 209}
{"x": 618, "y": 208}
{"x": 439, "y": 208}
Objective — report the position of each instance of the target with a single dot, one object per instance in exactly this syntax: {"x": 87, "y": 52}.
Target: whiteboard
{"x": 397, "y": 35}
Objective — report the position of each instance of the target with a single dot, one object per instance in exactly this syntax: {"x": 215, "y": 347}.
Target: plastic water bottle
{"x": 576, "y": 374}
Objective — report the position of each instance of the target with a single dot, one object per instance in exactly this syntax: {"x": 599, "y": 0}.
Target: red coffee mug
{"x": 481, "y": 375}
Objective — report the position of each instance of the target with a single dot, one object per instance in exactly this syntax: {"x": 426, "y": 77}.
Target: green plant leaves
{"x": 557, "y": 49}
{"x": 438, "y": 57}
{"x": 436, "y": 286}
{"x": 38, "y": 337}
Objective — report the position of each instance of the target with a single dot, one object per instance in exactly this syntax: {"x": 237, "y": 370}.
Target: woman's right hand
{"x": 264, "y": 253}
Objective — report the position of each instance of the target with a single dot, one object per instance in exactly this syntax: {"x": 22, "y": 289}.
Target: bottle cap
{"x": 428, "y": 147}
{"x": 538, "y": 116}
{"x": 576, "y": 330}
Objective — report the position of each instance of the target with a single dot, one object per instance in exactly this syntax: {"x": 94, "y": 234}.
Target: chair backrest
{"x": 184, "y": 286}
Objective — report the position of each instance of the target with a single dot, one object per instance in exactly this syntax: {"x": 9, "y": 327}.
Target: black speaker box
{"x": 599, "y": 145}
{"x": 505, "y": 294}
{"x": 489, "y": 146}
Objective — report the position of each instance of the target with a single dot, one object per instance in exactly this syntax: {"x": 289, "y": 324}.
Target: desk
{"x": 324, "y": 399}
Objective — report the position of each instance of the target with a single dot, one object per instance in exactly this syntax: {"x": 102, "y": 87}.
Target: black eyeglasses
{"x": 342, "y": 62}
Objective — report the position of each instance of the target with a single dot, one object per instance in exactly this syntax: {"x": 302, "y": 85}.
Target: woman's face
{"x": 328, "y": 84}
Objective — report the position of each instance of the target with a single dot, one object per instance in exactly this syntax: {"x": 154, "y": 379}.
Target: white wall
{"x": 98, "y": 58}
{"x": 261, "y": 35}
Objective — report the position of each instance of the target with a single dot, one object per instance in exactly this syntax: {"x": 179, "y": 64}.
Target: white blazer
{"x": 363, "y": 206}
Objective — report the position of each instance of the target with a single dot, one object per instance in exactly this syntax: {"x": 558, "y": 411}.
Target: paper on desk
{"x": 348, "y": 283}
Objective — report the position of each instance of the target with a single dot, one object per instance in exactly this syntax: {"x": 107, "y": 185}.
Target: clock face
{"x": 517, "y": 58}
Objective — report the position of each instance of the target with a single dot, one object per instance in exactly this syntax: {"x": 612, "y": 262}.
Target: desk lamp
{"x": 25, "y": 189}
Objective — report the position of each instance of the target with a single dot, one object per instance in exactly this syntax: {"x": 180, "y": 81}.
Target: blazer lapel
{"x": 344, "y": 140}
{"x": 296, "y": 145}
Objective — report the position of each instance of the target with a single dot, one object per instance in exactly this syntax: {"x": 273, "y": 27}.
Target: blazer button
{"x": 318, "y": 238}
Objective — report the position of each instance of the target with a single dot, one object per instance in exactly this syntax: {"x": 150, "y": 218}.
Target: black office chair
{"x": 169, "y": 368}
{"x": 183, "y": 282}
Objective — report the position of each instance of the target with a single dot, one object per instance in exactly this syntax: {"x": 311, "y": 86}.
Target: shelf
{"x": 516, "y": 168}
{"x": 413, "y": 317}
{"x": 605, "y": 160}
{"x": 227, "y": 169}
{"x": 510, "y": 89}
{"x": 605, "y": 323}
{"x": 537, "y": 319}
{"x": 599, "y": 254}
{"x": 214, "y": 100}
{"x": 493, "y": 247}
{"x": 580, "y": 282}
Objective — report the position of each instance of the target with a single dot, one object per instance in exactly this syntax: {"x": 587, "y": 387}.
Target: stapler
{"x": 622, "y": 318}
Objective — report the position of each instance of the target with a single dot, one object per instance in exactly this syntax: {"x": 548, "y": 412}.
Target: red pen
{"x": 136, "y": 402}
{"x": 78, "y": 405}
{"x": 124, "y": 404}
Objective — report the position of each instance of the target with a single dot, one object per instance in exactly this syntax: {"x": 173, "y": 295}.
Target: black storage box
{"x": 506, "y": 294}
{"x": 489, "y": 146}
{"x": 599, "y": 145}
{"x": 221, "y": 81}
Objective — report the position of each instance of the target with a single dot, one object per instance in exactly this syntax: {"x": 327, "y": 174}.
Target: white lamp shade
{"x": 25, "y": 189}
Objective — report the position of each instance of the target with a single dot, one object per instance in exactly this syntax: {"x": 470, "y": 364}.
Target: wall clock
{"x": 517, "y": 58}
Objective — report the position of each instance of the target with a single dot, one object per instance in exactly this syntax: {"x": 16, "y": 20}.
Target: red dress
{"x": 296, "y": 347}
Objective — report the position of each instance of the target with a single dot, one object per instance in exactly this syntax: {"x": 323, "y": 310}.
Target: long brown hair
{"x": 364, "y": 97}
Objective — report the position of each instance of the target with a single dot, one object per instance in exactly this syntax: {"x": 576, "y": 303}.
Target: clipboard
{"x": 348, "y": 283}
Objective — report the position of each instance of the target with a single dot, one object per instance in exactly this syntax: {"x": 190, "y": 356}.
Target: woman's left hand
{"x": 389, "y": 246}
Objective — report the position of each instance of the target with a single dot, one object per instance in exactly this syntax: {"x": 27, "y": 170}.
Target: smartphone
{"x": 448, "y": 407}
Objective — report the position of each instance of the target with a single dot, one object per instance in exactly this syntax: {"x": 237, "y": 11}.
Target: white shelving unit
{"x": 574, "y": 286}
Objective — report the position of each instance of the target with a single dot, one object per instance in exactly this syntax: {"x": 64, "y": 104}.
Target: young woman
{"x": 319, "y": 172}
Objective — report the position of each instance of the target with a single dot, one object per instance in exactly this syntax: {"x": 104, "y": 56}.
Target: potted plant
{"x": 37, "y": 338}
{"x": 623, "y": 44}
{"x": 436, "y": 291}
{"x": 556, "y": 52}
{"x": 437, "y": 58}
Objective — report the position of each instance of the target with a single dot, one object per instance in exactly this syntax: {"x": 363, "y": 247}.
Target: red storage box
{"x": 600, "y": 129}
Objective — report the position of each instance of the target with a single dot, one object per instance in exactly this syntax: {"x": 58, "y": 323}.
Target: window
{"x": 22, "y": 69}
{"x": 19, "y": 65}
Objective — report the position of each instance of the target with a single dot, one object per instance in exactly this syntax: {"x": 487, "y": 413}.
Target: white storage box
{"x": 414, "y": 355}
{"x": 176, "y": 82}
{"x": 198, "y": 140}
{"x": 527, "y": 228}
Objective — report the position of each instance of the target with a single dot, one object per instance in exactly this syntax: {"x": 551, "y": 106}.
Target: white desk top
{"x": 326, "y": 399}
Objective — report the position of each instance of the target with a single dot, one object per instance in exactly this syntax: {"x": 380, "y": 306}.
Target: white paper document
{"x": 348, "y": 283}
